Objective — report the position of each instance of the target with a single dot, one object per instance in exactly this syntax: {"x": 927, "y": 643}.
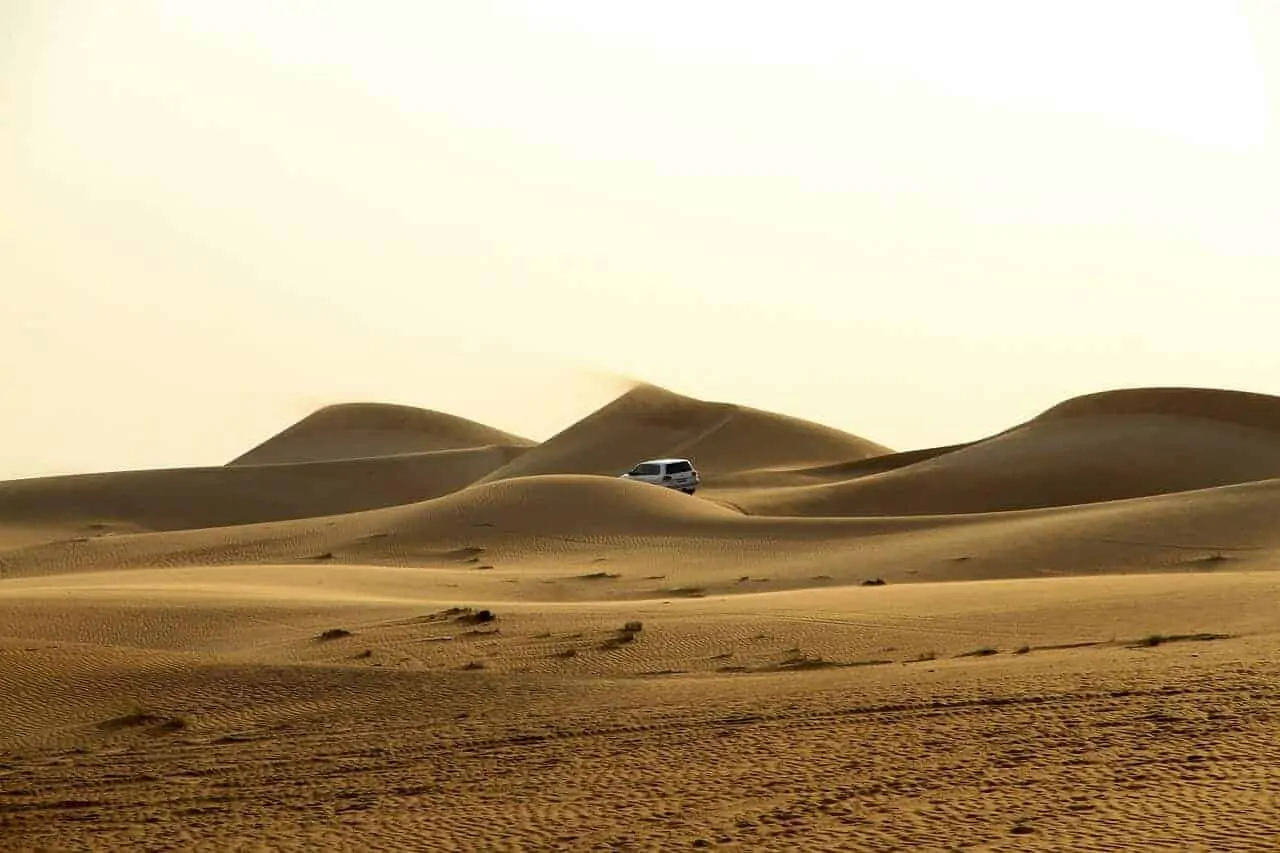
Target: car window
{"x": 679, "y": 467}
{"x": 646, "y": 470}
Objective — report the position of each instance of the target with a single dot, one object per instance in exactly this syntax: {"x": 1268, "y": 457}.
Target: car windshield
{"x": 646, "y": 469}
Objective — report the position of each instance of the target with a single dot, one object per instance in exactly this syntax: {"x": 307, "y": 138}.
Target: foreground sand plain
{"x": 393, "y": 629}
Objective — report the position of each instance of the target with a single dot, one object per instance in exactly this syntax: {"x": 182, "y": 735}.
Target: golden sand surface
{"x": 393, "y": 629}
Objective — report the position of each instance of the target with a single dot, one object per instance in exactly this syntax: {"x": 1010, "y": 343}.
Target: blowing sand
{"x": 387, "y": 628}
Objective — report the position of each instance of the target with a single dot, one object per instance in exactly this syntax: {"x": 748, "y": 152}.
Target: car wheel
{"x": 687, "y": 491}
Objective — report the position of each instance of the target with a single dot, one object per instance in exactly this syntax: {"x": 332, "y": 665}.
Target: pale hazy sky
{"x": 918, "y": 221}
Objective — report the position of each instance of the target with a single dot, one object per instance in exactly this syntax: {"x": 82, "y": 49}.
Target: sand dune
{"x": 433, "y": 635}
{"x": 1104, "y": 447}
{"x": 535, "y": 538}
{"x": 127, "y": 501}
{"x": 833, "y": 472}
{"x": 649, "y": 422}
{"x": 359, "y": 430}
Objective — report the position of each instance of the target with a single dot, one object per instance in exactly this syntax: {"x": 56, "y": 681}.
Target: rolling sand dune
{"x": 646, "y": 542}
{"x": 1100, "y": 448}
{"x": 434, "y": 636}
{"x": 359, "y": 430}
{"x": 649, "y": 422}
{"x": 830, "y": 472}
{"x": 93, "y": 504}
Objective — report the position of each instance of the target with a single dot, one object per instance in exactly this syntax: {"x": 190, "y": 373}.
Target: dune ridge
{"x": 172, "y": 499}
{"x": 1238, "y": 407}
{"x": 651, "y": 422}
{"x": 361, "y": 430}
{"x": 1100, "y": 448}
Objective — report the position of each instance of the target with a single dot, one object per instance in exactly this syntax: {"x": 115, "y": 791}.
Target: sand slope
{"x": 1103, "y": 447}
{"x": 1024, "y": 715}
{"x": 93, "y": 504}
{"x": 649, "y": 422}
{"x": 555, "y": 537}
{"x": 358, "y": 430}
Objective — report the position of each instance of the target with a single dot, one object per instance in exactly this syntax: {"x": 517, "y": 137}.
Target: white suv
{"x": 672, "y": 473}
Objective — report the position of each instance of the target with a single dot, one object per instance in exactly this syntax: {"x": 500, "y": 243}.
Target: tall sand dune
{"x": 650, "y": 422}
{"x": 360, "y": 430}
{"x": 1103, "y": 447}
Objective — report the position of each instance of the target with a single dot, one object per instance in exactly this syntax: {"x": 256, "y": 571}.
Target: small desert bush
{"x": 333, "y": 634}
{"x": 137, "y": 715}
{"x": 1153, "y": 640}
{"x": 625, "y": 634}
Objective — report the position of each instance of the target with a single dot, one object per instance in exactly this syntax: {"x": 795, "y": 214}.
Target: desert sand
{"x": 391, "y": 628}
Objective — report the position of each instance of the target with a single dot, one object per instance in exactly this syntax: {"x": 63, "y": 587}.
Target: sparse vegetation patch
{"x": 624, "y": 635}
{"x": 1153, "y": 640}
{"x": 333, "y": 634}
{"x": 476, "y": 617}
{"x": 798, "y": 660}
{"x": 138, "y": 716}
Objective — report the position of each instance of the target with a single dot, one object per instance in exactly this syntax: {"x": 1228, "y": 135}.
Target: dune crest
{"x": 651, "y": 422}
{"x": 191, "y": 498}
{"x": 1105, "y": 447}
{"x": 1261, "y": 411}
{"x": 363, "y": 430}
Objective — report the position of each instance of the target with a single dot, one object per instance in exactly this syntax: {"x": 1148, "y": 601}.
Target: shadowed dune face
{"x": 361, "y": 430}
{"x": 1107, "y": 447}
{"x": 649, "y": 422}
